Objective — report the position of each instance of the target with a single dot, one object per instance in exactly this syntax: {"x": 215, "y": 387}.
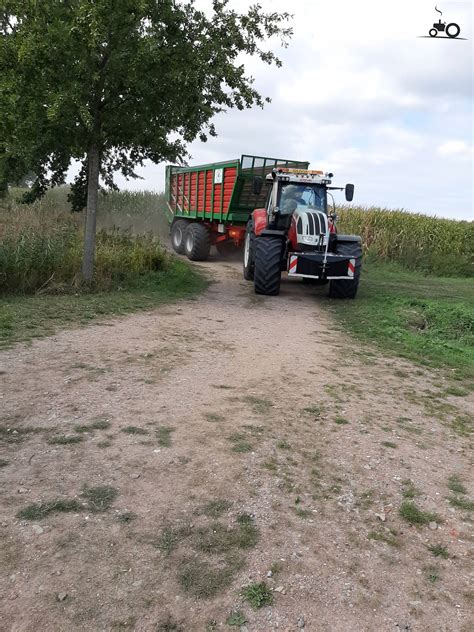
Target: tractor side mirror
{"x": 257, "y": 185}
{"x": 349, "y": 192}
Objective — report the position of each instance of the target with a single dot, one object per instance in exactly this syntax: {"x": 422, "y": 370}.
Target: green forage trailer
{"x": 211, "y": 204}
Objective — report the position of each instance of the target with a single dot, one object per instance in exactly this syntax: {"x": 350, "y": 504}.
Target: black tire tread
{"x": 249, "y": 272}
{"x": 347, "y": 288}
{"x": 201, "y": 242}
{"x": 183, "y": 223}
{"x": 267, "y": 274}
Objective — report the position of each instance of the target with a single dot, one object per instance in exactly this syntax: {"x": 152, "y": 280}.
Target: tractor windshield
{"x": 301, "y": 196}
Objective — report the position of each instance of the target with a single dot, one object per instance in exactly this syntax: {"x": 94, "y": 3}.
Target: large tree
{"x": 112, "y": 83}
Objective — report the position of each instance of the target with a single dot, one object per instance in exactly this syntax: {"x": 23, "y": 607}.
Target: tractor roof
{"x": 310, "y": 176}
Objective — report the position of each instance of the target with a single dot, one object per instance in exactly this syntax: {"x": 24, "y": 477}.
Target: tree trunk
{"x": 93, "y": 158}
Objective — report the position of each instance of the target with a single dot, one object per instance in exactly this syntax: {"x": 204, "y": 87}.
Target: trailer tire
{"x": 347, "y": 288}
{"x": 197, "y": 242}
{"x": 249, "y": 252}
{"x": 178, "y": 229}
{"x": 267, "y": 274}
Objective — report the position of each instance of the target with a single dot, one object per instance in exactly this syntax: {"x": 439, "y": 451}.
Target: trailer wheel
{"x": 178, "y": 229}
{"x": 197, "y": 242}
{"x": 249, "y": 252}
{"x": 347, "y": 288}
{"x": 267, "y": 274}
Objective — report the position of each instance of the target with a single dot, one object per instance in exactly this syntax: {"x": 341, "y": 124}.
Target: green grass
{"x": 99, "y": 498}
{"x": 383, "y": 537}
{"x": 236, "y": 618}
{"x": 413, "y": 515}
{"x": 455, "y": 485}
{"x": 424, "y": 318}
{"x": 163, "y": 434}
{"x": 23, "y": 318}
{"x": 461, "y": 503}
{"x": 258, "y": 595}
{"x": 341, "y": 421}
{"x": 205, "y": 579}
{"x": 64, "y": 439}
{"x": 134, "y": 430}
{"x": 41, "y": 510}
{"x": 98, "y": 424}
{"x": 215, "y": 508}
{"x": 438, "y": 551}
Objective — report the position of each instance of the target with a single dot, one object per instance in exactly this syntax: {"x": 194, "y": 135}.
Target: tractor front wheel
{"x": 249, "y": 252}
{"x": 433, "y": 32}
{"x": 267, "y": 274}
{"x": 347, "y": 288}
{"x": 197, "y": 242}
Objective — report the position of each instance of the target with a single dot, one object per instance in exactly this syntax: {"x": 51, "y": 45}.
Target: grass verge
{"x": 423, "y": 318}
{"x": 23, "y": 318}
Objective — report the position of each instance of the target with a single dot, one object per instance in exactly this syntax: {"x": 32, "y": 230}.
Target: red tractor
{"x": 295, "y": 233}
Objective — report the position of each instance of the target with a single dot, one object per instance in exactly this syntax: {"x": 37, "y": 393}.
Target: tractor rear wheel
{"x": 197, "y": 242}
{"x": 177, "y": 235}
{"x": 249, "y": 252}
{"x": 347, "y": 288}
{"x": 267, "y": 274}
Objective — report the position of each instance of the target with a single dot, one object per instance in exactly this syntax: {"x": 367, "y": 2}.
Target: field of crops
{"x": 42, "y": 243}
{"x": 442, "y": 246}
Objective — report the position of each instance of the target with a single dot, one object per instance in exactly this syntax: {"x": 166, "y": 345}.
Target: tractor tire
{"x": 347, "y": 288}
{"x": 267, "y": 273}
{"x": 453, "y": 32}
{"x": 178, "y": 229}
{"x": 249, "y": 252}
{"x": 197, "y": 242}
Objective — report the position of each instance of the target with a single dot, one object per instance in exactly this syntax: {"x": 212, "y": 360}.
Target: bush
{"x": 41, "y": 250}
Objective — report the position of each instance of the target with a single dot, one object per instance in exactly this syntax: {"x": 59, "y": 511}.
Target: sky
{"x": 362, "y": 95}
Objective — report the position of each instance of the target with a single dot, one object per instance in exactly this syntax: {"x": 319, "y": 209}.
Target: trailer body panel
{"x": 220, "y": 192}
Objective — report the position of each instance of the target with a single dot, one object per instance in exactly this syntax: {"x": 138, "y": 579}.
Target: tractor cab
{"x": 296, "y": 233}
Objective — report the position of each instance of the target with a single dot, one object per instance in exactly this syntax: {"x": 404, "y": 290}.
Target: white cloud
{"x": 363, "y": 95}
{"x": 455, "y": 148}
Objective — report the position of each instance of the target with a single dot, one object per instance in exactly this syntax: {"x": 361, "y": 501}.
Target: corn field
{"x": 41, "y": 244}
{"x": 441, "y": 246}
{"x": 41, "y": 249}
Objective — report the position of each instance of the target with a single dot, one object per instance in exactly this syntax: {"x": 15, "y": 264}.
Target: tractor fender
{"x": 259, "y": 217}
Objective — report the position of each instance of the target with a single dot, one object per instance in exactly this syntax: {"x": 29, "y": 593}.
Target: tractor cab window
{"x": 301, "y": 196}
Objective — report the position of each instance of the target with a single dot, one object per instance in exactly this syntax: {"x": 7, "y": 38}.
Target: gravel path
{"x": 261, "y": 406}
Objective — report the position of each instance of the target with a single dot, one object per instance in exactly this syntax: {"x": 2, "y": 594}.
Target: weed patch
{"x": 215, "y": 508}
{"x": 461, "y": 503}
{"x": 99, "y": 498}
{"x": 214, "y": 417}
{"x": 455, "y": 485}
{"x": 259, "y": 405}
{"x": 98, "y": 424}
{"x": 39, "y": 511}
{"x": 258, "y": 595}
{"x": 413, "y": 515}
{"x": 341, "y": 421}
{"x": 134, "y": 430}
{"x": 163, "y": 434}
{"x": 204, "y": 579}
{"x": 239, "y": 443}
{"x": 438, "y": 551}
{"x": 64, "y": 439}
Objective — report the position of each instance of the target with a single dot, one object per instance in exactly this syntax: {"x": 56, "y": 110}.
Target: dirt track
{"x": 231, "y": 374}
